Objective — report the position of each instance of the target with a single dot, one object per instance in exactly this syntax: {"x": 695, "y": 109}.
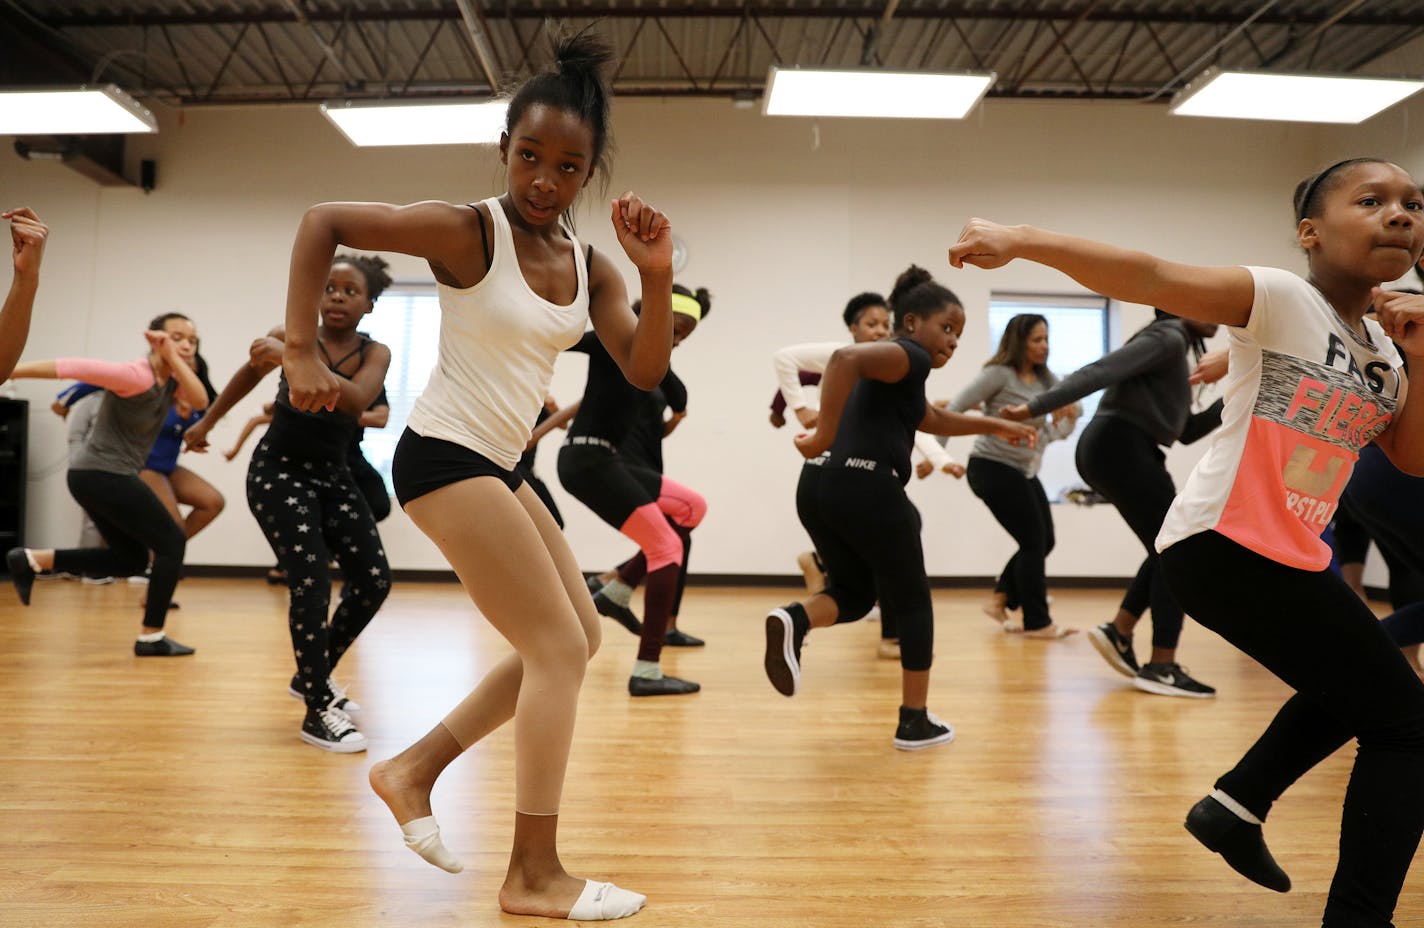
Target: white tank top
{"x": 498, "y": 342}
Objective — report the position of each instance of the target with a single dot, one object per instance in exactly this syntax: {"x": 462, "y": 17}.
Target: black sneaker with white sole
{"x": 920, "y": 729}
{"x": 332, "y": 730}
{"x": 163, "y": 647}
{"x": 1115, "y": 648}
{"x": 786, "y": 629}
{"x": 1171, "y": 680}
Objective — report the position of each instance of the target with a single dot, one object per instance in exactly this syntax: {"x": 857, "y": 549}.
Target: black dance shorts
{"x": 423, "y": 465}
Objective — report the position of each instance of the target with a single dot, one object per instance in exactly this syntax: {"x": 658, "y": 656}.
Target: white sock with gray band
{"x": 1236, "y": 808}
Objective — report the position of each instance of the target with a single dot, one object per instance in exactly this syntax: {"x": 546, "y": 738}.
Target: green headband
{"x": 687, "y": 306}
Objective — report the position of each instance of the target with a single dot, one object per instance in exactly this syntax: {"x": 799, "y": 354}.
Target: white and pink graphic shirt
{"x": 1303, "y": 395}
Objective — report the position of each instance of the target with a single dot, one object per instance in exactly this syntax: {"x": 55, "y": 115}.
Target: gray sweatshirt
{"x": 998, "y": 386}
{"x": 1146, "y": 382}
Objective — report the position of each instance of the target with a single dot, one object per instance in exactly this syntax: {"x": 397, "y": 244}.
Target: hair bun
{"x": 908, "y": 280}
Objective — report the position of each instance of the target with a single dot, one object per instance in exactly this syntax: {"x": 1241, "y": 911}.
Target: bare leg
{"x": 516, "y": 566}
{"x": 204, "y": 499}
{"x": 162, "y": 489}
{"x": 914, "y": 688}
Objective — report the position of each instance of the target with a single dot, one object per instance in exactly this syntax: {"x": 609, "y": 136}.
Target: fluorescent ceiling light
{"x": 418, "y": 123}
{"x": 72, "y": 111}
{"x": 892, "y": 94}
{"x": 1290, "y": 97}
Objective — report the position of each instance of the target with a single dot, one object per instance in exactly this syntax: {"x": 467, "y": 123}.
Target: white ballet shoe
{"x": 422, "y": 835}
{"x": 600, "y": 902}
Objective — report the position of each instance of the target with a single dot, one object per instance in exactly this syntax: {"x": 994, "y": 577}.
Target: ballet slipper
{"x": 1051, "y": 632}
{"x": 603, "y": 901}
{"x": 996, "y": 613}
{"x": 422, "y": 835}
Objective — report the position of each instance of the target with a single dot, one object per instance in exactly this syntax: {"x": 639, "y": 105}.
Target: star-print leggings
{"x": 312, "y": 512}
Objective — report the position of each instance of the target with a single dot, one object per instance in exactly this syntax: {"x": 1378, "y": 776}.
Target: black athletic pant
{"x": 1390, "y": 506}
{"x": 1021, "y": 507}
{"x": 1129, "y": 470}
{"x": 371, "y": 486}
{"x": 134, "y": 524}
{"x": 311, "y": 512}
{"x": 1314, "y": 633}
{"x": 868, "y": 535}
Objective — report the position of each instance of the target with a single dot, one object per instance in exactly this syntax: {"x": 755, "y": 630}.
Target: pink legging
{"x": 648, "y": 525}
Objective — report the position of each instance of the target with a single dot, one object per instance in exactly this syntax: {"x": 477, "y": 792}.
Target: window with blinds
{"x": 406, "y": 320}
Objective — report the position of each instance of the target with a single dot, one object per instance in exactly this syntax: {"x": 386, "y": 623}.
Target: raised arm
{"x": 639, "y": 345}
{"x": 28, "y": 235}
{"x": 442, "y": 234}
{"x": 885, "y": 361}
{"x": 124, "y": 378}
{"x": 1209, "y": 294}
{"x": 1402, "y": 316}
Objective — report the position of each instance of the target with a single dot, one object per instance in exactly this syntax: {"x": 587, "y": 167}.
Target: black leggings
{"x": 1389, "y": 504}
{"x": 1127, "y": 467}
{"x": 1021, "y": 507}
{"x": 134, "y": 523}
{"x": 311, "y": 511}
{"x": 868, "y": 535}
{"x": 1314, "y": 633}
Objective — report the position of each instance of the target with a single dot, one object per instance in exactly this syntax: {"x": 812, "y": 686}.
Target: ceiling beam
{"x": 478, "y": 34}
{"x": 515, "y": 9}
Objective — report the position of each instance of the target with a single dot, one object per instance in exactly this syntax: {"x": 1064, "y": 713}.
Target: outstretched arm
{"x": 247, "y": 431}
{"x": 28, "y": 235}
{"x": 1209, "y": 294}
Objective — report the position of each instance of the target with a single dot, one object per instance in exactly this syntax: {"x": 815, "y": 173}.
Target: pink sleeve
{"x": 124, "y": 378}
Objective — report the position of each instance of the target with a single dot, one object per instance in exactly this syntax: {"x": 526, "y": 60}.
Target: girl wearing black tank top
{"x": 851, "y": 497}
{"x": 506, "y": 313}
{"x": 307, "y": 503}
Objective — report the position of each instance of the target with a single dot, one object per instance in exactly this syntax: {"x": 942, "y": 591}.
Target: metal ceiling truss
{"x": 310, "y": 50}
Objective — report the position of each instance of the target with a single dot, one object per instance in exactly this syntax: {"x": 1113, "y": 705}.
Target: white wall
{"x": 783, "y": 221}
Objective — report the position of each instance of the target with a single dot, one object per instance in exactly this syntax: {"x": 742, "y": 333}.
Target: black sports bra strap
{"x": 335, "y": 366}
{"x": 588, "y": 268}
{"x": 484, "y": 236}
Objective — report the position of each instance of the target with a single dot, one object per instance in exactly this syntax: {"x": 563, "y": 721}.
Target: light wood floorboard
{"x": 176, "y": 793}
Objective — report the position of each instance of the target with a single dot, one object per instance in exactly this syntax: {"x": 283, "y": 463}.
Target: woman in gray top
{"x": 104, "y": 480}
{"x": 1005, "y": 475}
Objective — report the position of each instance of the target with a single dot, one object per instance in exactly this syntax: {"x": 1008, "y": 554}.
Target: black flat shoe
{"x": 667, "y": 686}
{"x": 21, "y": 573}
{"x": 677, "y": 638}
{"x": 594, "y": 584}
{"x": 620, "y": 614}
{"x": 164, "y": 647}
{"x": 1241, "y": 844}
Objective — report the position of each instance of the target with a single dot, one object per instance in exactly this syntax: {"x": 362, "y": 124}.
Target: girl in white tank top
{"x": 515, "y": 289}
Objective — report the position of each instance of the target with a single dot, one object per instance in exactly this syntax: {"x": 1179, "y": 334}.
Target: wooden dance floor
{"x": 175, "y": 792}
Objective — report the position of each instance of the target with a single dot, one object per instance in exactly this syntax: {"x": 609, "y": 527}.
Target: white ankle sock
{"x": 603, "y": 901}
{"x": 34, "y": 564}
{"x": 422, "y": 835}
{"x": 151, "y": 637}
{"x": 1235, "y": 808}
{"x": 617, "y": 591}
{"x": 647, "y": 670}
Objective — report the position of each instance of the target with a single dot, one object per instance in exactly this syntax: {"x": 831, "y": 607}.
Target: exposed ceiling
{"x": 195, "y": 52}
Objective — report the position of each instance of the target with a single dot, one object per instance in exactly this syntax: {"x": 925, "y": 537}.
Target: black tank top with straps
{"x": 323, "y": 435}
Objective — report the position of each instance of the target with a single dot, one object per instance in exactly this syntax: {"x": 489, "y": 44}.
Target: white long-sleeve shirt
{"x": 813, "y": 357}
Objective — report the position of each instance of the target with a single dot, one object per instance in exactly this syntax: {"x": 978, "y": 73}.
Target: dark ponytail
{"x": 575, "y": 83}
{"x": 916, "y": 293}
